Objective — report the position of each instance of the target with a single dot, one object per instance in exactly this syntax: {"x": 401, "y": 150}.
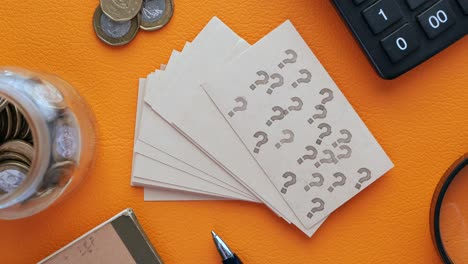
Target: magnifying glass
{"x": 449, "y": 213}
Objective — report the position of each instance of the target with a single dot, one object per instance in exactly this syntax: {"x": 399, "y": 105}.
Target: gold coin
{"x": 155, "y": 14}
{"x": 115, "y": 33}
{"x": 121, "y": 10}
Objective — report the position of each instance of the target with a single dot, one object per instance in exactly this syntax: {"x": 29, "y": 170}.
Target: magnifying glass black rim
{"x": 447, "y": 180}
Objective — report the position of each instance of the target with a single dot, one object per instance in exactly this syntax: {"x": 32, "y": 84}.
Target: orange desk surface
{"x": 420, "y": 119}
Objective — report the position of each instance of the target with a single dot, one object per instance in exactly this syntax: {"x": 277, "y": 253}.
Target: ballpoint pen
{"x": 226, "y": 254}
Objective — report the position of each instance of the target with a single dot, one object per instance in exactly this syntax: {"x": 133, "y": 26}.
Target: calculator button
{"x": 400, "y": 43}
{"x": 382, "y": 14}
{"x": 358, "y": 2}
{"x": 413, "y": 4}
{"x": 437, "y": 19}
{"x": 464, "y": 5}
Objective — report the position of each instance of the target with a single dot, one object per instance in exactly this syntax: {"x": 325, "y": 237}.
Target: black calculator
{"x": 397, "y": 35}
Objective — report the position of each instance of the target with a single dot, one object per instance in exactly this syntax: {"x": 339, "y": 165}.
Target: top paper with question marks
{"x": 298, "y": 125}
{"x": 187, "y": 106}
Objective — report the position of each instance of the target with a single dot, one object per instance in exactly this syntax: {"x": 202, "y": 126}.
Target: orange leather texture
{"x": 420, "y": 119}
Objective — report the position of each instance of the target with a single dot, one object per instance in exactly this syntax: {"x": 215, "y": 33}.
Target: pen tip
{"x": 223, "y": 249}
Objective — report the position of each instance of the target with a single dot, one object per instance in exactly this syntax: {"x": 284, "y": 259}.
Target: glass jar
{"x": 47, "y": 141}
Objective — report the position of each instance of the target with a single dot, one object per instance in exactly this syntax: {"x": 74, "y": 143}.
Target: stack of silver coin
{"x": 116, "y": 22}
{"x": 16, "y": 147}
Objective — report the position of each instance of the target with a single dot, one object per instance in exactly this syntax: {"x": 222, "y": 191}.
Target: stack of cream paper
{"x": 262, "y": 123}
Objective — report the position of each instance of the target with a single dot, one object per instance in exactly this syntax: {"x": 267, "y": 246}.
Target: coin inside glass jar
{"x": 12, "y": 174}
{"x": 59, "y": 173}
{"x": 65, "y": 144}
{"x": 16, "y": 148}
{"x": 3, "y": 103}
{"x": 8, "y": 156}
{"x": 6, "y": 120}
{"x": 47, "y": 94}
{"x": 19, "y": 148}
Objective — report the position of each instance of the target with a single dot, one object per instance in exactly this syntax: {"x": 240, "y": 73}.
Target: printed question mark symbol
{"x": 292, "y": 59}
{"x": 291, "y": 182}
{"x": 297, "y": 107}
{"x": 289, "y": 139}
{"x": 277, "y": 84}
{"x": 263, "y": 141}
{"x": 305, "y": 79}
{"x": 363, "y": 179}
{"x": 242, "y": 107}
{"x": 341, "y": 182}
{"x": 322, "y": 115}
{"x": 282, "y": 113}
{"x": 331, "y": 157}
{"x": 317, "y": 183}
{"x": 308, "y": 157}
{"x": 329, "y": 95}
{"x": 346, "y": 139}
{"x": 317, "y": 208}
{"x": 327, "y": 132}
{"x": 265, "y": 80}
{"x": 348, "y": 153}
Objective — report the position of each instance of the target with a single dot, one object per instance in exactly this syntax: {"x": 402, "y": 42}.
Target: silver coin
{"x": 59, "y": 174}
{"x": 17, "y": 81}
{"x": 47, "y": 94}
{"x": 3, "y": 125}
{"x": 25, "y": 130}
{"x": 18, "y": 146}
{"x": 112, "y": 32}
{"x": 121, "y": 10}
{"x": 6, "y": 72}
{"x": 46, "y": 194}
{"x": 16, "y": 120}
{"x": 6, "y": 130}
{"x": 114, "y": 29}
{"x": 155, "y": 14}
{"x": 66, "y": 139}
{"x": 13, "y": 156}
{"x": 47, "y": 97}
{"x": 3, "y": 103}
{"x": 11, "y": 177}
